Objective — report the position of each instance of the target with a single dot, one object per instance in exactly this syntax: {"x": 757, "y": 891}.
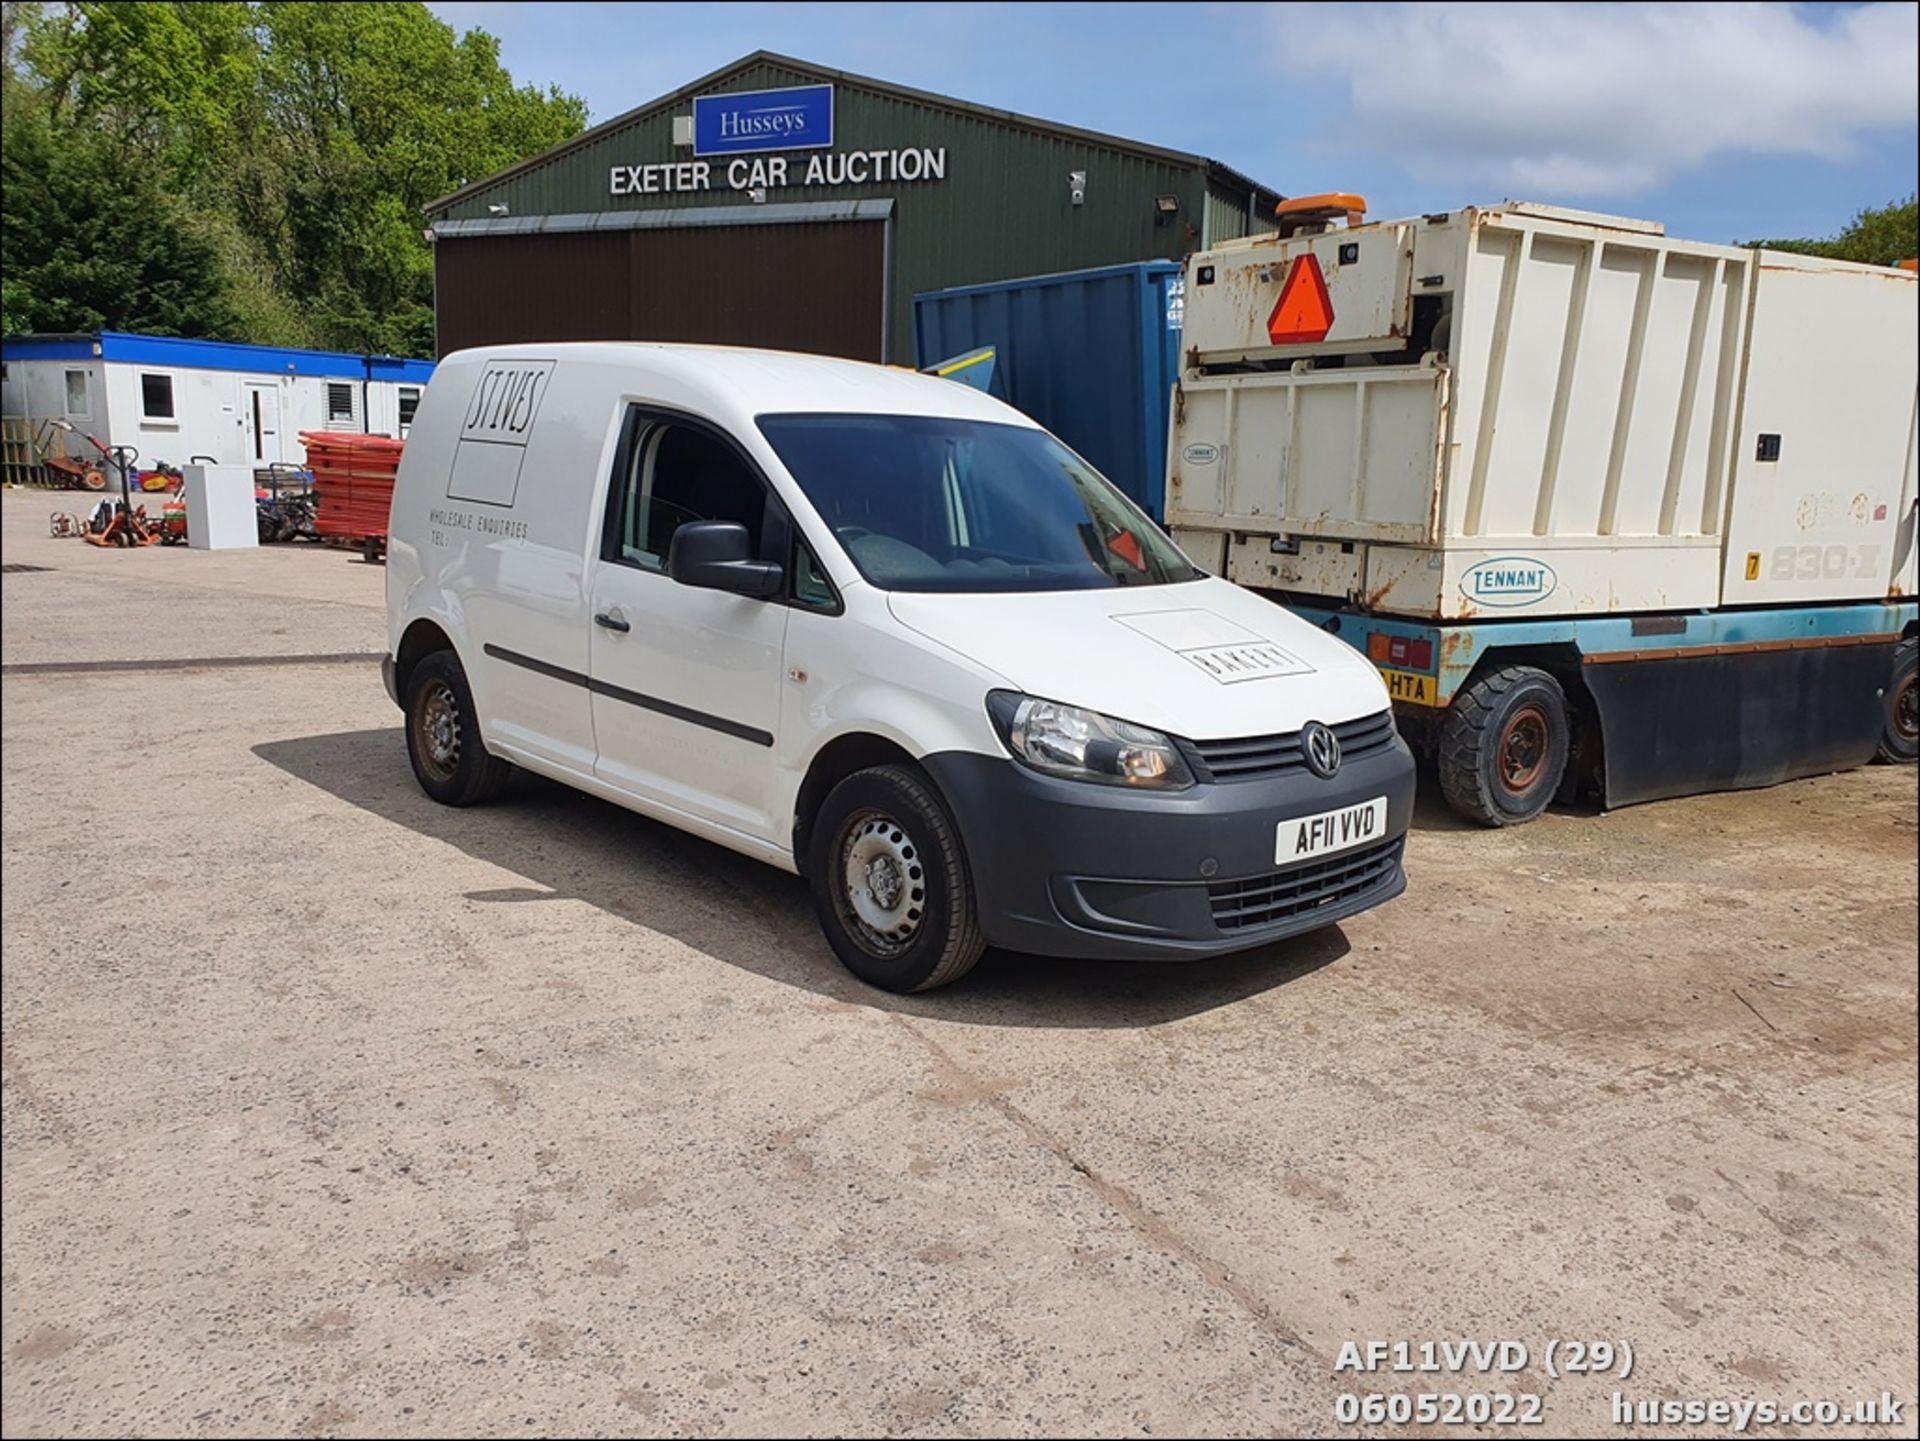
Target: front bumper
{"x": 1067, "y": 868}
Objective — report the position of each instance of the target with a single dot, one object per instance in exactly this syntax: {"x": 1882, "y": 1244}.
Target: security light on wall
{"x": 1077, "y": 186}
{"x": 758, "y": 195}
{"x": 496, "y": 210}
{"x": 1166, "y": 204}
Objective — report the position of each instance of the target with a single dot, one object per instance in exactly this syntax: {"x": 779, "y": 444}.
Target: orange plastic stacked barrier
{"x": 352, "y": 482}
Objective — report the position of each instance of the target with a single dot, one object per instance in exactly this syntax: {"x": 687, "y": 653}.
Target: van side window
{"x": 680, "y": 474}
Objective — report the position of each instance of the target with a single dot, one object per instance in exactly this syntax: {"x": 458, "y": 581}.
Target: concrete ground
{"x": 331, "y": 1111}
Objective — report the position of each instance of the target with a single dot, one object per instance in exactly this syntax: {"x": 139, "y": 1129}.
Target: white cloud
{"x": 1598, "y": 100}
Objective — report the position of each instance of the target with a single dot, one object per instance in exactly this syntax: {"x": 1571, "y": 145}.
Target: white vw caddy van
{"x": 882, "y": 630}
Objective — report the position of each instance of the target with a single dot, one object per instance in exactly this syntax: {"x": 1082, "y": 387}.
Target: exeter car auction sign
{"x": 774, "y": 172}
{"x": 751, "y": 123}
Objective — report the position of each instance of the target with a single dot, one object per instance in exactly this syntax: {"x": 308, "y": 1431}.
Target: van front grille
{"x": 1282, "y": 895}
{"x": 1257, "y": 757}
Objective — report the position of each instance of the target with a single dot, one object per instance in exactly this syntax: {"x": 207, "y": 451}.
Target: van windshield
{"x": 927, "y": 503}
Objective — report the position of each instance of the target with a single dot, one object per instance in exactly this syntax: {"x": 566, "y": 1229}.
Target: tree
{"x": 90, "y": 241}
{"x": 287, "y": 146}
{"x": 1883, "y": 236}
{"x": 380, "y": 110}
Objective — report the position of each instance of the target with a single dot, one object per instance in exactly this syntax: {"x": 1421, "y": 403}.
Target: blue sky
{"x": 1726, "y": 121}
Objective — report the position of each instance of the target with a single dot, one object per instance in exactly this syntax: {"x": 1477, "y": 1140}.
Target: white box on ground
{"x": 220, "y": 507}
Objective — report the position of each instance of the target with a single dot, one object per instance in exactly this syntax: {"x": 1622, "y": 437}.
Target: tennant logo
{"x": 1509, "y": 580}
{"x": 796, "y": 119}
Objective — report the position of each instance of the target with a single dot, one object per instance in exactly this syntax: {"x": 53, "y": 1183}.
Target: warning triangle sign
{"x": 1304, "y": 314}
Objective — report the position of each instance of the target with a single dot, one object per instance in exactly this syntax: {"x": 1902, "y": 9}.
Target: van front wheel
{"x": 443, "y": 735}
{"x": 890, "y": 881}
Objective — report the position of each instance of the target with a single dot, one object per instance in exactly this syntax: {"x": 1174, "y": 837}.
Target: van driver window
{"x": 681, "y": 474}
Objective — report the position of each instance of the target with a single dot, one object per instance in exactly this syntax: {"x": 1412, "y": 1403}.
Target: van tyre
{"x": 1900, "y": 740}
{"x": 443, "y": 735}
{"x": 1504, "y": 746}
{"x": 890, "y": 881}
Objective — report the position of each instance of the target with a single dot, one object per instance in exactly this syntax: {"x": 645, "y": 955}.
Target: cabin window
{"x": 339, "y": 401}
{"x": 77, "y": 393}
{"x": 156, "y": 397}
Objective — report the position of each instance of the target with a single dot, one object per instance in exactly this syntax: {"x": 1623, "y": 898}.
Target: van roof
{"x": 761, "y": 382}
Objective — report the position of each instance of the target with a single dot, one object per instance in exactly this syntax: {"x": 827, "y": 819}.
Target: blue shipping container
{"x": 1090, "y": 354}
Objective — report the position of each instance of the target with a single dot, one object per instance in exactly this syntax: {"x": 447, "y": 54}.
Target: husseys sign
{"x": 800, "y": 118}
{"x": 751, "y": 123}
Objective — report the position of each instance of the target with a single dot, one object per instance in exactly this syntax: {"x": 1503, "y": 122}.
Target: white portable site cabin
{"x": 178, "y": 399}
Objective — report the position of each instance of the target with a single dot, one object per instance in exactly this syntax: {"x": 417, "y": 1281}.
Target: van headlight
{"x": 1083, "y": 745}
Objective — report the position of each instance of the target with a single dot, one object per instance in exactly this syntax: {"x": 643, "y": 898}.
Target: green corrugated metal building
{"x": 804, "y": 210}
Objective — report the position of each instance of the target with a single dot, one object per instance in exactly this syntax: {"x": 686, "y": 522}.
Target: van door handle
{"x": 612, "y": 620}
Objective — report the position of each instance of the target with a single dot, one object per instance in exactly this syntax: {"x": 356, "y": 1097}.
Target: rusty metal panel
{"x": 1352, "y": 453}
{"x": 1367, "y": 274}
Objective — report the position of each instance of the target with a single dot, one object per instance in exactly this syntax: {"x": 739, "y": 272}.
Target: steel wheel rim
{"x": 436, "y": 731}
{"x": 1522, "y": 753}
{"x": 1906, "y": 710}
{"x": 881, "y": 885}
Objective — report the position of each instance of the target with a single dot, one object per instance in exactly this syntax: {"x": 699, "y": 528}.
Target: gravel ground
{"x": 331, "y": 1111}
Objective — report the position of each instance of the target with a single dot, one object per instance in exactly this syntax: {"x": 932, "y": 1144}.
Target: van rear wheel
{"x": 890, "y": 881}
{"x": 443, "y": 735}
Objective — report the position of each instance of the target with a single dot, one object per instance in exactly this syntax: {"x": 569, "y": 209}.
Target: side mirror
{"x": 715, "y": 555}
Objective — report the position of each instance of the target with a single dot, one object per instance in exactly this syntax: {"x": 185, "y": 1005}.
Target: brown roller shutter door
{"x": 817, "y": 287}
{"x": 496, "y": 290}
